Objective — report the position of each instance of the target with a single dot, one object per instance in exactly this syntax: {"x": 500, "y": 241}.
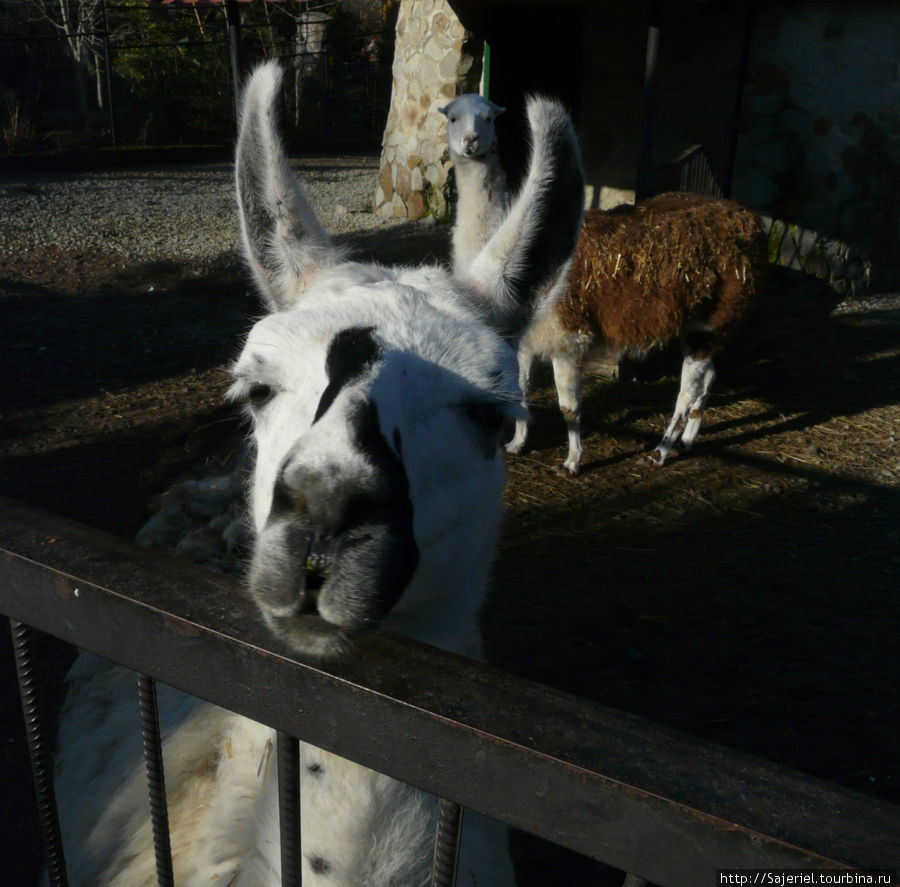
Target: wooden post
{"x": 735, "y": 126}
{"x": 648, "y": 104}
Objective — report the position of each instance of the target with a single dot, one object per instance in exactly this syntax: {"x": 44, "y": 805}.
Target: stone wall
{"x": 435, "y": 59}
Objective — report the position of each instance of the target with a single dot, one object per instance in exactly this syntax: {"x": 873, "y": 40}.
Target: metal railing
{"x": 670, "y": 808}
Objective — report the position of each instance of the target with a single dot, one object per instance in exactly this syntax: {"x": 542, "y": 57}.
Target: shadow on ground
{"x": 745, "y": 593}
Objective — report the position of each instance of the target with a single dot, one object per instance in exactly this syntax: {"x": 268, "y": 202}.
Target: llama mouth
{"x": 320, "y": 592}
{"x": 316, "y": 573}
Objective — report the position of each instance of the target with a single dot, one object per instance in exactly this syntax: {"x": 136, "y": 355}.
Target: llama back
{"x": 641, "y": 271}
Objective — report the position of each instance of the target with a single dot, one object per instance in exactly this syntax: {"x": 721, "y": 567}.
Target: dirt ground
{"x": 746, "y": 593}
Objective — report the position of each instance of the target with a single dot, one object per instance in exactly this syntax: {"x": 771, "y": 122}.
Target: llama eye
{"x": 452, "y": 119}
{"x": 487, "y": 416}
{"x": 260, "y": 394}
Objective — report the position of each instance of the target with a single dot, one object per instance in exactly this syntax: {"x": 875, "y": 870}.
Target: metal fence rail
{"x": 646, "y": 799}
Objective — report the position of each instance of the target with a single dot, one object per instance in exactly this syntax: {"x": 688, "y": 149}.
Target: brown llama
{"x": 674, "y": 266}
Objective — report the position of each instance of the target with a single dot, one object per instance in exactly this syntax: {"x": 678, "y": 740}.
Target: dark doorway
{"x": 533, "y": 48}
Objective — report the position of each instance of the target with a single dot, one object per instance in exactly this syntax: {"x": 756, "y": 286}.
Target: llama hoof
{"x": 513, "y": 449}
{"x": 564, "y": 471}
{"x": 656, "y": 457}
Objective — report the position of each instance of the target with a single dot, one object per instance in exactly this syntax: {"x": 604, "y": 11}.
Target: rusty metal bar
{"x": 288, "y": 750}
{"x": 39, "y": 751}
{"x": 598, "y": 781}
{"x": 447, "y": 835}
{"x": 156, "y": 780}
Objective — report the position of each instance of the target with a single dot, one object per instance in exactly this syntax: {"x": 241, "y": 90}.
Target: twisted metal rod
{"x": 289, "y": 809}
{"x": 447, "y": 834}
{"x": 156, "y": 780}
{"x": 39, "y": 751}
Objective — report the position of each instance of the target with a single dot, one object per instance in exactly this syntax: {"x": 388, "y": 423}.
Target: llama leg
{"x": 567, "y": 374}
{"x": 697, "y": 375}
{"x": 526, "y": 364}
{"x": 698, "y": 405}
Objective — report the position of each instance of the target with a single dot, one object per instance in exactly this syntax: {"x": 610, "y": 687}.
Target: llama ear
{"x": 497, "y": 109}
{"x": 284, "y": 244}
{"x": 444, "y": 110}
{"x": 531, "y": 251}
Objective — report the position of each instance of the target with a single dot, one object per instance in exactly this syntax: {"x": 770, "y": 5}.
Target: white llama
{"x": 377, "y": 396}
{"x": 480, "y": 181}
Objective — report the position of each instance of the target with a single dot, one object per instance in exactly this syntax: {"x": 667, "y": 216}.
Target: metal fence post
{"x": 288, "y": 749}
{"x": 156, "y": 780}
{"x": 447, "y": 834}
{"x": 233, "y": 17}
{"x": 39, "y": 750}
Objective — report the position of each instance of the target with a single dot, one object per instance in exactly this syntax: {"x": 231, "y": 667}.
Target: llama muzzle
{"x": 318, "y": 591}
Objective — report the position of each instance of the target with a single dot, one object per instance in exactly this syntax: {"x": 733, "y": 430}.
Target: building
{"x": 792, "y": 107}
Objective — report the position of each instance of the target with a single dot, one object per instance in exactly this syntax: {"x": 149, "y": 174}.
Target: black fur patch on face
{"x": 350, "y": 354}
{"x": 392, "y": 508}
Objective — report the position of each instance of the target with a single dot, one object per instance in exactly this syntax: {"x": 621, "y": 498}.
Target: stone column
{"x": 435, "y": 59}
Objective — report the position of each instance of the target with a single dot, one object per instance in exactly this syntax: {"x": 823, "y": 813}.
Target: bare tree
{"x": 80, "y": 23}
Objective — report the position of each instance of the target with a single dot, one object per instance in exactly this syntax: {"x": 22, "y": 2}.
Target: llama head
{"x": 470, "y": 125}
{"x": 377, "y": 396}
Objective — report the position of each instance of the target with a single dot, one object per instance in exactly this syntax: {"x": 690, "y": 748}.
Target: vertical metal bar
{"x": 39, "y": 750}
{"x": 156, "y": 780}
{"x": 648, "y": 104}
{"x": 289, "y": 809}
{"x": 233, "y": 18}
{"x": 447, "y": 834}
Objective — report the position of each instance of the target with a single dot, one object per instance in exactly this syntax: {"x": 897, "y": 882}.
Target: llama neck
{"x": 481, "y": 203}
{"x": 481, "y": 184}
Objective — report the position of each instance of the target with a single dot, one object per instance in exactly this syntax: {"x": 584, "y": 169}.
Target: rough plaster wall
{"x": 819, "y": 147}
{"x": 821, "y": 143}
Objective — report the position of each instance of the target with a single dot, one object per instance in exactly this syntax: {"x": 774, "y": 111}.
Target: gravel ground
{"x": 187, "y": 211}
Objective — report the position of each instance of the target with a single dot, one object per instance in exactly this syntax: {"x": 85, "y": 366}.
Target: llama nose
{"x": 315, "y": 495}
{"x": 470, "y": 144}
{"x": 326, "y": 495}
